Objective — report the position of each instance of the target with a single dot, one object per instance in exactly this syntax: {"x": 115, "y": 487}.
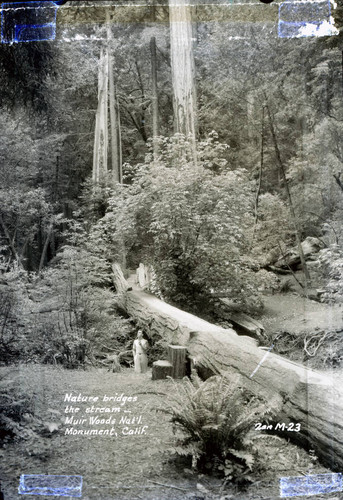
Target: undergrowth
{"x": 19, "y": 421}
{"x": 213, "y": 420}
{"x": 320, "y": 349}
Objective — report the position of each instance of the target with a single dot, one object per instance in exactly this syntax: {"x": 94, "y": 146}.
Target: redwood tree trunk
{"x": 101, "y": 122}
{"x": 155, "y": 125}
{"x": 183, "y": 69}
{"x": 115, "y": 143}
{"x": 115, "y": 154}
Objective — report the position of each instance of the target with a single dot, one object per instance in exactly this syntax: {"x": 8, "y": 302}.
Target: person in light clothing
{"x": 140, "y": 346}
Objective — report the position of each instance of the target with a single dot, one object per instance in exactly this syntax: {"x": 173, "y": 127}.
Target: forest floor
{"x": 291, "y": 321}
{"x": 290, "y": 312}
{"x": 127, "y": 467}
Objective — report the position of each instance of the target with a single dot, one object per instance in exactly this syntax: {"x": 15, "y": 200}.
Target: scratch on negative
{"x": 262, "y": 360}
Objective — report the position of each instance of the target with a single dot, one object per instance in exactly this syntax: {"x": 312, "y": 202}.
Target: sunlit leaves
{"x": 191, "y": 222}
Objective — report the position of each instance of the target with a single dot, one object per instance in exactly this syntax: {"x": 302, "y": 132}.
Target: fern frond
{"x": 244, "y": 456}
{"x": 267, "y": 436}
{"x": 183, "y": 450}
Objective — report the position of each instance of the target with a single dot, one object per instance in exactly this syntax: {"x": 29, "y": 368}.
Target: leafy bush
{"x": 17, "y": 408}
{"x": 272, "y": 229}
{"x": 189, "y": 221}
{"x": 14, "y": 312}
{"x": 14, "y": 406}
{"x": 287, "y": 286}
{"x": 23, "y": 211}
{"x": 215, "y": 418}
{"x": 85, "y": 323}
{"x": 19, "y": 420}
{"x": 158, "y": 349}
{"x": 316, "y": 195}
{"x": 65, "y": 315}
{"x": 331, "y": 260}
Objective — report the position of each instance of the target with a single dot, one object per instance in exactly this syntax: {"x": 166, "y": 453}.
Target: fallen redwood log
{"x": 307, "y": 397}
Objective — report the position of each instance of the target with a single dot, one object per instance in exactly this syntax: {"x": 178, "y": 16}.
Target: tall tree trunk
{"x": 140, "y": 116}
{"x": 290, "y": 201}
{"x": 116, "y": 147}
{"x": 183, "y": 70}
{"x": 120, "y": 147}
{"x": 45, "y": 248}
{"x": 115, "y": 155}
{"x": 258, "y": 191}
{"x": 155, "y": 125}
{"x": 10, "y": 242}
{"x": 104, "y": 120}
{"x": 101, "y": 122}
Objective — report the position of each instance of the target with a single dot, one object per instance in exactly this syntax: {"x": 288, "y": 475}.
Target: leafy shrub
{"x": 65, "y": 315}
{"x": 83, "y": 324}
{"x": 23, "y": 211}
{"x": 14, "y": 407}
{"x": 190, "y": 222}
{"x": 313, "y": 172}
{"x": 17, "y": 407}
{"x": 14, "y": 312}
{"x": 19, "y": 420}
{"x": 273, "y": 227}
{"x": 215, "y": 418}
{"x": 287, "y": 286}
{"x": 69, "y": 349}
{"x": 158, "y": 349}
{"x": 268, "y": 281}
{"x": 331, "y": 260}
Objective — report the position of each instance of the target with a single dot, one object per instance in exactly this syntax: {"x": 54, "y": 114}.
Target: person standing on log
{"x": 140, "y": 346}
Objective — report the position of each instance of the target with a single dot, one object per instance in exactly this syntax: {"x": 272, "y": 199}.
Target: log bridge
{"x": 306, "y": 396}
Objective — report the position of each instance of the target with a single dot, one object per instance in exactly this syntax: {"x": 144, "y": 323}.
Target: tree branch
{"x": 290, "y": 201}
{"x": 7, "y": 235}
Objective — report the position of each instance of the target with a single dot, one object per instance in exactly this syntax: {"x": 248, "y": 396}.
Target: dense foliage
{"x": 20, "y": 421}
{"x": 332, "y": 264}
{"x": 209, "y": 226}
{"x": 64, "y": 316}
{"x": 189, "y": 221}
{"x": 215, "y": 419}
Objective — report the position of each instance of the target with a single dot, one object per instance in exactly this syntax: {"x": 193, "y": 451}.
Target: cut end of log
{"x": 161, "y": 369}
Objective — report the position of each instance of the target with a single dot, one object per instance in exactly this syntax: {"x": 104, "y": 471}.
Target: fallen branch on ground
{"x": 320, "y": 341}
{"x": 169, "y": 485}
